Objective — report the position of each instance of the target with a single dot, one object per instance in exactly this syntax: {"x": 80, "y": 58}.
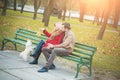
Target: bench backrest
{"x": 24, "y": 34}
{"x": 84, "y": 51}
{"x": 80, "y": 50}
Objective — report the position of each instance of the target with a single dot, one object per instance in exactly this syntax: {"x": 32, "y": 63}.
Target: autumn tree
{"x": 64, "y": 9}
{"x": 117, "y": 13}
{"x": 45, "y": 3}
{"x": 61, "y": 6}
{"x": 23, "y": 2}
{"x": 37, "y": 4}
{"x": 99, "y": 11}
{"x": 1, "y": 4}
{"x": 4, "y": 8}
{"x": 47, "y": 12}
{"x": 82, "y": 9}
{"x": 97, "y": 16}
{"x": 109, "y": 4}
{"x": 15, "y": 1}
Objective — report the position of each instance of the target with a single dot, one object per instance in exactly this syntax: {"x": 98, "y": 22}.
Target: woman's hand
{"x": 42, "y": 29}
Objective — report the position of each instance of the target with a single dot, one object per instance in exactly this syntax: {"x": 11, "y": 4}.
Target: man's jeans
{"x": 50, "y": 54}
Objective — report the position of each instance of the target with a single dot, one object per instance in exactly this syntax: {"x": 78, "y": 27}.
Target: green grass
{"x": 108, "y": 49}
{"x": 109, "y": 62}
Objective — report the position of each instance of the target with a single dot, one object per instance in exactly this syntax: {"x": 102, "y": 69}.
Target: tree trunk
{"x": 81, "y": 16}
{"x": 102, "y": 30}
{"x": 97, "y": 15}
{"x": 64, "y": 14}
{"x": 14, "y": 5}
{"x": 23, "y": 2}
{"x": 60, "y": 14}
{"x": 48, "y": 12}
{"x": 45, "y": 7}
{"x": 43, "y": 20}
{"x": 101, "y": 21}
{"x": 70, "y": 6}
{"x": 64, "y": 9}
{"x": 106, "y": 15}
{"x": 69, "y": 14}
{"x": 82, "y": 10}
{"x": 4, "y": 7}
{"x": 117, "y": 14}
{"x": 36, "y": 7}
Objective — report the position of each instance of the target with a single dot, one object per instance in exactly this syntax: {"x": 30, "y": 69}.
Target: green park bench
{"x": 82, "y": 54}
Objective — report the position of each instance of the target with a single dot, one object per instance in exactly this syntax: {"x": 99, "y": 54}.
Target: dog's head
{"x": 28, "y": 43}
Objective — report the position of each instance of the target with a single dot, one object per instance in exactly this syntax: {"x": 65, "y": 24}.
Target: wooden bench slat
{"x": 83, "y": 52}
{"x": 81, "y": 56}
{"x": 16, "y": 41}
{"x": 22, "y": 29}
{"x": 83, "y": 46}
{"x": 71, "y": 58}
{"x": 33, "y": 42}
{"x": 79, "y": 60}
{"x": 28, "y": 33}
{"x": 28, "y": 37}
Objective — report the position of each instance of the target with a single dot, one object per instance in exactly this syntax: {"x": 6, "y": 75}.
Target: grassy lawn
{"x": 108, "y": 49}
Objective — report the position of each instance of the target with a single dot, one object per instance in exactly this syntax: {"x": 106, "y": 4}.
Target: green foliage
{"x": 108, "y": 49}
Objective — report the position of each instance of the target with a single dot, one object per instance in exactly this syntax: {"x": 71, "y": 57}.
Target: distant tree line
{"x": 101, "y": 9}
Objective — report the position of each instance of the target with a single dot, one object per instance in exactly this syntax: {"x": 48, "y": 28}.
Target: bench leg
{"x": 15, "y": 46}
{"x": 90, "y": 70}
{"x": 78, "y": 70}
{"x": 2, "y": 48}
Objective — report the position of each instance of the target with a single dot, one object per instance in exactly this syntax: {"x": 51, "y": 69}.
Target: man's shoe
{"x": 34, "y": 62}
{"x": 52, "y": 66}
{"x": 44, "y": 69}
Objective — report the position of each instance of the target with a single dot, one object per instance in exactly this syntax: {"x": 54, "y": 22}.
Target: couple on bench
{"x": 60, "y": 42}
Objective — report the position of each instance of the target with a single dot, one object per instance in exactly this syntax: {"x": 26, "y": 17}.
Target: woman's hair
{"x": 58, "y": 31}
{"x": 58, "y": 25}
{"x": 55, "y": 33}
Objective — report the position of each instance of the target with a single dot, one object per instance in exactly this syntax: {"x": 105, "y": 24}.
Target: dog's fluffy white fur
{"x": 26, "y": 53}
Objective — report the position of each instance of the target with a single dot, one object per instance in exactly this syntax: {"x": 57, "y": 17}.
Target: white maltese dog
{"x": 26, "y": 53}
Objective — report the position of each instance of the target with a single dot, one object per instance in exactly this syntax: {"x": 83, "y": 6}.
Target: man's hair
{"x": 67, "y": 25}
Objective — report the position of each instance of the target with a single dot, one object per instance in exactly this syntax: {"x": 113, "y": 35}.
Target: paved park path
{"x": 12, "y": 67}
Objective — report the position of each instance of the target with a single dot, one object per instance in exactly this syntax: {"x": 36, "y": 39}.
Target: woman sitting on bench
{"x": 54, "y": 38}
